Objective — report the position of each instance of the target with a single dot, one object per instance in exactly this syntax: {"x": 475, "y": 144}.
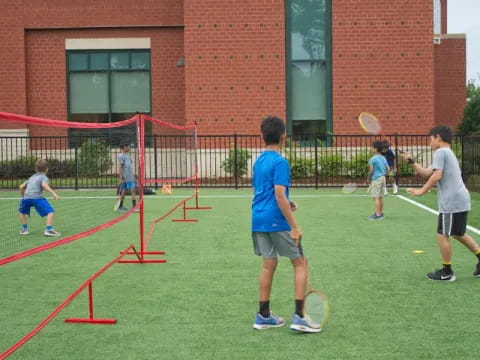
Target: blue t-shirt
{"x": 270, "y": 169}
{"x": 379, "y": 166}
{"x": 390, "y": 156}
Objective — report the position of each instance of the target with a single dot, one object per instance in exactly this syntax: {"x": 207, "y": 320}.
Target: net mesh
{"x": 83, "y": 169}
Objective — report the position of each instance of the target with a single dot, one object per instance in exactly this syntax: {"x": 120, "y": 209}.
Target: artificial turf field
{"x": 201, "y": 303}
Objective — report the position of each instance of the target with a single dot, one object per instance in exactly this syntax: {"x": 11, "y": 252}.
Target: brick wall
{"x": 450, "y": 80}
{"x": 46, "y": 72}
{"x": 235, "y": 64}
{"x": 383, "y": 63}
{"x": 12, "y": 61}
{"x": 43, "y": 63}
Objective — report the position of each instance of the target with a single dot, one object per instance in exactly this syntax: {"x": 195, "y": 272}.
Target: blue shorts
{"x": 41, "y": 205}
{"x": 128, "y": 185}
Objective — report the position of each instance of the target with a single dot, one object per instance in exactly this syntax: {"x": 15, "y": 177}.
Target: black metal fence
{"x": 223, "y": 160}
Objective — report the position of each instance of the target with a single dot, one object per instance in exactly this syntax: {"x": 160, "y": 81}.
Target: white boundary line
{"x": 430, "y": 210}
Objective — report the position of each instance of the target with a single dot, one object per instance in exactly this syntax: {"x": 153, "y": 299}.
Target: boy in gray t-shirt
{"x": 126, "y": 178}
{"x": 31, "y": 191}
{"x": 453, "y": 200}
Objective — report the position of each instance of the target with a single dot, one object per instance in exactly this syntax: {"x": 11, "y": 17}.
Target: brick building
{"x": 226, "y": 63}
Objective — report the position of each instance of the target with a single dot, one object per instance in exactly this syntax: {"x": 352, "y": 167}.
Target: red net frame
{"x": 140, "y": 122}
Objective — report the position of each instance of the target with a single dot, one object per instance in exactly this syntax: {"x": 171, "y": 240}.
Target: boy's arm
{"x": 370, "y": 172}
{"x": 432, "y": 180}
{"x": 284, "y": 205}
{"x": 420, "y": 170}
{"x": 22, "y": 188}
{"x": 46, "y": 187}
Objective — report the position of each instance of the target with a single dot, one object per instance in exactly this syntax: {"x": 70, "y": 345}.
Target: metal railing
{"x": 223, "y": 160}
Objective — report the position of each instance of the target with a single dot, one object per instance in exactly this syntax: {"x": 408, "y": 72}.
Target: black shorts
{"x": 452, "y": 223}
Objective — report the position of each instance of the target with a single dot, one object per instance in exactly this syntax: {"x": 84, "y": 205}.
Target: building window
{"x": 308, "y": 68}
{"x": 108, "y": 86}
{"x": 437, "y": 16}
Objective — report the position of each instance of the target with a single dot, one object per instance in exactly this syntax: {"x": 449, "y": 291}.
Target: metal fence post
{"x": 76, "y": 167}
{"x": 462, "y": 160}
{"x": 315, "y": 139}
{"x": 235, "y": 160}
{"x": 155, "y": 160}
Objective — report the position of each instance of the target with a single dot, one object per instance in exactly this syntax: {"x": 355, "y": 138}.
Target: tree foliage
{"x": 471, "y": 114}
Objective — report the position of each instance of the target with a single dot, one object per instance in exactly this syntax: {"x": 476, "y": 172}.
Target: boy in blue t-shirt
{"x": 274, "y": 229}
{"x": 376, "y": 175}
{"x": 31, "y": 191}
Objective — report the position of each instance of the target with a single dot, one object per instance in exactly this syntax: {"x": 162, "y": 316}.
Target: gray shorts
{"x": 270, "y": 245}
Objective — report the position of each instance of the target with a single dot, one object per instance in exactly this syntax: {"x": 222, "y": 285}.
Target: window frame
{"x": 109, "y": 72}
{"x": 289, "y": 64}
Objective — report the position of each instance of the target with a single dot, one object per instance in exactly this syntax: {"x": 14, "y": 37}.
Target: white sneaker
{"x": 24, "y": 232}
{"x": 386, "y": 192}
{"x": 395, "y": 188}
{"x": 51, "y": 233}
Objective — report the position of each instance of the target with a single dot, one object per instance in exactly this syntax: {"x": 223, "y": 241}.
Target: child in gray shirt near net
{"x": 453, "y": 200}
{"x": 31, "y": 191}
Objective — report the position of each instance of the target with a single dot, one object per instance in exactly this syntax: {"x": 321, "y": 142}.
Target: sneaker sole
{"x": 50, "y": 235}
{"x": 25, "y": 233}
{"x": 452, "y": 279}
{"x": 266, "y": 326}
{"x": 304, "y": 329}
{"x": 476, "y": 276}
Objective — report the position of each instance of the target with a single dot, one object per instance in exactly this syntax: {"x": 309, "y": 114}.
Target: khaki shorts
{"x": 378, "y": 187}
{"x": 270, "y": 245}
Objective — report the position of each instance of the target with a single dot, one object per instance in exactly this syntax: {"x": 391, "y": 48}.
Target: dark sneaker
{"x": 440, "y": 275}
{"x": 376, "y": 217}
{"x": 476, "y": 273}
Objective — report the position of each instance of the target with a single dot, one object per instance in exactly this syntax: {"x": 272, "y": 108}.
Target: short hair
{"x": 445, "y": 133}
{"x": 123, "y": 144}
{"x": 41, "y": 165}
{"x": 378, "y": 145}
{"x": 272, "y": 129}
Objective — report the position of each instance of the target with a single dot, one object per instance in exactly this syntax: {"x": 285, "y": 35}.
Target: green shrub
{"x": 22, "y": 167}
{"x": 331, "y": 164}
{"x": 61, "y": 168}
{"x": 300, "y": 167}
{"x": 243, "y": 155}
{"x": 358, "y": 165}
{"x": 94, "y": 158}
{"x": 404, "y": 168}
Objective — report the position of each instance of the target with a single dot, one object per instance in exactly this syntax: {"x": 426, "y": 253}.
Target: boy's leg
{"x": 300, "y": 282}
{"x": 49, "y": 219}
{"x": 445, "y": 248}
{"x": 23, "y": 220}
{"x": 265, "y": 285}
{"x": 134, "y": 198}
{"x": 469, "y": 243}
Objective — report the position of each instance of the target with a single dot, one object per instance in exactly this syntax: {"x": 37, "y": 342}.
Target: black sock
{"x": 299, "y": 307}
{"x": 264, "y": 309}
{"x": 134, "y": 202}
{"x": 121, "y": 203}
{"x": 447, "y": 268}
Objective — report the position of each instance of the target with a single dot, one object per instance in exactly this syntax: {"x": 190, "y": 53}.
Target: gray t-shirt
{"x": 126, "y": 172}
{"x": 34, "y": 186}
{"x": 453, "y": 196}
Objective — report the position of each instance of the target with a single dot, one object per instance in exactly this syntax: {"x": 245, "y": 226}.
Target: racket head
{"x": 349, "y": 188}
{"x": 316, "y": 310}
{"x": 369, "y": 123}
